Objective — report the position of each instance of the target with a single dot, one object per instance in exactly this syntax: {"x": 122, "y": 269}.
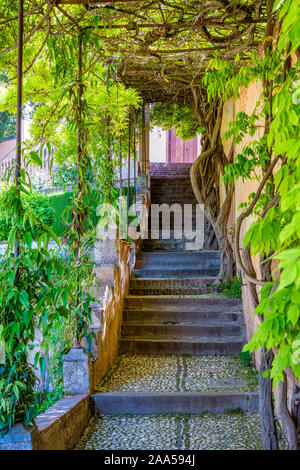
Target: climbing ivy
{"x": 275, "y": 234}
{"x": 34, "y": 295}
{"x": 42, "y": 291}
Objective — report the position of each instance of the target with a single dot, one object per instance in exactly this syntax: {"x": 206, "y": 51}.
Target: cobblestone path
{"x": 145, "y": 373}
{"x": 239, "y": 431}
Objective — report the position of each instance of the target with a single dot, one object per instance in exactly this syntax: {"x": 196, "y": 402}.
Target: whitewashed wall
{"x": 158, "y": 145}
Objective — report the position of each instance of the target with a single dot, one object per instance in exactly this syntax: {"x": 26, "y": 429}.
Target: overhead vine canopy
{"x": 160, "y": 47}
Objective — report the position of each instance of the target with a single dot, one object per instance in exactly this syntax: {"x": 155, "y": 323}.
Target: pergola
{"x": 161, "y": 48}
{"x": 164, "y": 50}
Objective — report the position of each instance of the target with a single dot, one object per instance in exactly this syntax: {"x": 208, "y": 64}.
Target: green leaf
{"x": 24, "y": 298}
{"x": 293, "y": 314}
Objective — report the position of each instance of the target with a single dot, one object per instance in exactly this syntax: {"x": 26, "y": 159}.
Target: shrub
{"x": 38, "y": 202}
{"x": 41, "y": 205}
{"x": 232, "y": 287}
{"x": 59, "y": 201}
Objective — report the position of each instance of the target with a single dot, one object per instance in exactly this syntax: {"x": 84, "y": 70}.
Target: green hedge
{"x": 58, "y": 202}
{"x": 41, "y": 206}
{"x": 51, "y": 209}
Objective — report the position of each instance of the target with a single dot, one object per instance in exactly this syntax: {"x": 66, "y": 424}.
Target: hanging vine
{"x": 274, "y": 235}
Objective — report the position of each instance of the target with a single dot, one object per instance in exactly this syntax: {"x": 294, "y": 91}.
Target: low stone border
{"x": 58, "y": 428}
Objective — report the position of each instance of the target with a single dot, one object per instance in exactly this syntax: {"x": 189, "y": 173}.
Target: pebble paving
{"x": 157, "y": 373}
{"x": 173, "y": 432}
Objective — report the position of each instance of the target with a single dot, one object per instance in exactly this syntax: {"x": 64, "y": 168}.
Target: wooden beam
{"x": 206, "y": 22}
{"x": 142, "y": 52}
{"x": 92, "y": 2}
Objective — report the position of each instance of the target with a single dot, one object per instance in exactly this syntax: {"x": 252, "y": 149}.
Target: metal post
{"x": 134, "y": 159}
{"x": 128, "y": 174}
{"x": 120, "y": 165}
{"x": 79, "y": 123}
{"x": 80, "y": 150}
{"x": 19, "y": 101}
{"x": 143, "y": 141}
{"x": 120, "y": 201}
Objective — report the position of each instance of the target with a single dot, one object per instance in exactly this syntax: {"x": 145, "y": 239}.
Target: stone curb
{"x": 58, "y": 428}
{"x": 148, "y": 403}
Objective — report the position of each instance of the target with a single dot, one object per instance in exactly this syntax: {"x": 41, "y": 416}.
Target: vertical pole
{"x": 143, "y": 140}
{"x": 79, "y": 143}
{"x": 128, "y": 174}
{"x": 19, "y": 101}
{"x": 120, "y": 199}
{"x": 134, "y": 159}
{"x": 80, "y": 182}
{"x": 147, "y": 148}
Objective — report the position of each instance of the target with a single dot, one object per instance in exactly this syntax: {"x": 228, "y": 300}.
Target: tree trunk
{"x": 295, "y": 409}
{"x": 269, "y": 434}
{"x": 210, "y": 167}
{"x": 285, "y": 418}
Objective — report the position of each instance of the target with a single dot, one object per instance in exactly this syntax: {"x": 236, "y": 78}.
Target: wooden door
{"x": 180, "y": 151}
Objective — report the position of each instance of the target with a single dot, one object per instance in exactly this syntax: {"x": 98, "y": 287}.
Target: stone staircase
{"x": 170, "y": 183}
{"x": 170, "y": 170}
{"x": 172, "y": 308}
{"x": 173, "y": 311}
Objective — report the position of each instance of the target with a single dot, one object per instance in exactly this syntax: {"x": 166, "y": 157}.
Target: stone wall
{"x": 113, "y": 274}
{"x": 111, "y": 320}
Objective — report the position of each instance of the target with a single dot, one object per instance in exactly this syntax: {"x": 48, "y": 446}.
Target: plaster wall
{"x": 246, "y": 102}
{"x": 158, "y": 145}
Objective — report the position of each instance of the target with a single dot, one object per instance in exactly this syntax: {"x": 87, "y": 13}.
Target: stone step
{"x": 181, "y": 256}
{"x": 166, "y": 166}
{"x": 179, "y": 346}
{"x": 170, "y": 186}
{"x": 190, "y": 224}
{"x": 163, "y": 170}
{"x": 184, "y": 303}
{"x": 168, "y": 183}
{"x": 186, "y": 329}
{"x": 144, "y": 403}
{"x": 175, "y": 199}
{"x": 178, "y": 229}
{"x": 141, "y": 283}
{"x": 174, "y": 263}
{"x": 190, "y": 219}
{"x": 167, "y": 245}
{"x": 172, "y": 316}
{"x": 171, "y": 174}
{"x": 172, "y": 290}
{"x": 176, "y": 272}
{"x": 177, "y": 195}
{"x": 169, "y": 165}
{"x": 165, "y": 175}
